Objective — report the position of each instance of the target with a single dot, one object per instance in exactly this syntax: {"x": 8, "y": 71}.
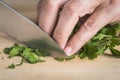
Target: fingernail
{"x": 68, "y": 50}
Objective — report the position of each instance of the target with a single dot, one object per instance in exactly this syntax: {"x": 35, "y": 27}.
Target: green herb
{"x": 12, "y": 66}
{"x": 115, "y": 52}
{"x": 33, "y": 58}
{"x": 7, "y": 50}
{"x": 82, "y": 55}
{"x": 28, "y": 54}
{"x": 38, "y": 52}
{"x": 65, "y": 59}
{"x": 9, "y": 57}
{"x": 106, "y": 38}
{"x": 59, "y": 59}
{"x": 70, "y": 58}
{"x": 15, "y": 50}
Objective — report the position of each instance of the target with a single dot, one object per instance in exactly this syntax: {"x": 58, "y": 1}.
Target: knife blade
{"x": 27, "y": 32}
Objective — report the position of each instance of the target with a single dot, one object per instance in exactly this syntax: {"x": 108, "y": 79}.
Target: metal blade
{"x": 24, "y": 30}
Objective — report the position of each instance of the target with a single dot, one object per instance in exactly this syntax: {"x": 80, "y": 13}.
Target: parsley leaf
{"x": 12, "y": 66}
{"x": 106, "y": 38}
{"x": 59, "y": 59}
{"x": 115, "y": 52}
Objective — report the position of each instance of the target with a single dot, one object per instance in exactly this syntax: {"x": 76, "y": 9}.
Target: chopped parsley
{"x": 106, "y": 38}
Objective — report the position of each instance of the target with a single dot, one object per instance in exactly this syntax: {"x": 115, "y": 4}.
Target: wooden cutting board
{"x": 105, "y": 67}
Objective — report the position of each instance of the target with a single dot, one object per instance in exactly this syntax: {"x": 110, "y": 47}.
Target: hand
{"x": 58, "y": 18}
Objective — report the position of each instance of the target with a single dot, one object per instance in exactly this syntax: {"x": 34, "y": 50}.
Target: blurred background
{"x": 25, "y": 7}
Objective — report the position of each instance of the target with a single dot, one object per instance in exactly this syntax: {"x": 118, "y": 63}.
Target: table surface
{"x": 105, "y": 67}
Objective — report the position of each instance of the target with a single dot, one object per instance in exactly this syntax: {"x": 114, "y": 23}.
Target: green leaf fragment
{"x": 33, "y": 58}
{"x": 59, "y": 59}
{"x": 14, "y": 52}
{"x": 7, "y": 50}
{"x": 106, "y": 37}
{"x": 92, "y": 56}
{"x": 9, "y": 57}
{"x": 70, "y": 58}
{"x": 101, "y": 50}
{"x": 100, "y": 36}
{"x": 12, "y": 66}
{"x": 26, "y": 53}
{"x": 65, "y": 59}
{"x": 38, "y": 52}
{"x": 82, "y": 55}
{"x": 117, "y": 27}
{"x": 115, "y": 52}
{"x": 115, "y": 42}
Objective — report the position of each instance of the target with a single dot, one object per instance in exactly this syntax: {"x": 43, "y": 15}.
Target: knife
{"x": 22, "y": 29}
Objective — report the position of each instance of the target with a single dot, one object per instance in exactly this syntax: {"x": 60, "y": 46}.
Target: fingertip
{"x": 68, "y": 51}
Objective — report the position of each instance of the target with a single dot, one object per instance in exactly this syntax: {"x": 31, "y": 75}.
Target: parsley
{"x": 70, "y": 58}
{"x": 82, "y": 55}
{"x": 12, "y": 66}
{"x": 59, "y": 59}
{"x": 33, "y": 58}
{"x": 65, "y": 59}
{"x": 27, "y": 54}
{"x": 106, "y": 38}
{"x": 115, "y": 52}
{"x": 7, "y": 50}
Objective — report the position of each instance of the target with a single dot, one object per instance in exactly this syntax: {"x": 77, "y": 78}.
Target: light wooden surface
{"x": 104, "y": 67}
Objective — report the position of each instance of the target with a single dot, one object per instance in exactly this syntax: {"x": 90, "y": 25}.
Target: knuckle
{"x": 58, "y": 35}
{"x": 70, "y": 9}
{"x": 50, "y": 3}
{"x": 77, "y": 38}
{"x": 88, "y": 25}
